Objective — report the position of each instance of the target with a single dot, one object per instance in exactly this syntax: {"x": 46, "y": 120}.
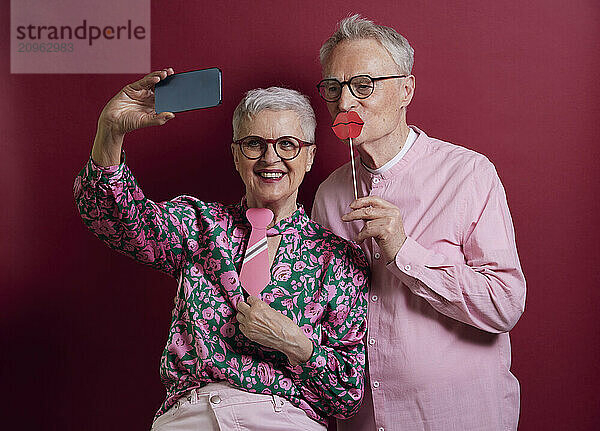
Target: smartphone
{"x": 186, "y": 91}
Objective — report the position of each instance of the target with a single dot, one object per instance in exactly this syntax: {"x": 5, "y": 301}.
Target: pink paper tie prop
{"x": 255, "y": 273}
{"x": 348, "y": 125}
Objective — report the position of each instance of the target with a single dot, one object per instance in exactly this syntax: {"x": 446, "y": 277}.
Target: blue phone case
{"x": 186, "y": 91}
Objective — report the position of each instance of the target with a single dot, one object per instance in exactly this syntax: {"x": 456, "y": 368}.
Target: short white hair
{"x": 355, "y": 27}
{"x": 276, "y": 99}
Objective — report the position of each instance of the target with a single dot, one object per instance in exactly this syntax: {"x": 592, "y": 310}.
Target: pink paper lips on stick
{"x": 347, "y": 125}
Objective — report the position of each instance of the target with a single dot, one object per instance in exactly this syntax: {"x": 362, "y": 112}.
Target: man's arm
{"x": 487, "y": 290}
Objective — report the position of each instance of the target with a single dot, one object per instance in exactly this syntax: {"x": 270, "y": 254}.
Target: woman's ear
{"x": 236, "y": 157}
{"x": 312, "y": 151}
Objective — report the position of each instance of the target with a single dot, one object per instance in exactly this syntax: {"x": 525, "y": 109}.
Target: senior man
{"x": 432, "y": 217}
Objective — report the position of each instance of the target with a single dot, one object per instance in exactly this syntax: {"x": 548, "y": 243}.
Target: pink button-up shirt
{"x": 439, "y": 315}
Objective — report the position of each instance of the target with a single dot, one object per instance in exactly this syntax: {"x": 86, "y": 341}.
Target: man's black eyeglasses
{"x": 361, "y": 86}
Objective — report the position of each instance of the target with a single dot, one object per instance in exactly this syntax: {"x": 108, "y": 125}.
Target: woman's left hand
{"x": 268, "y": 327}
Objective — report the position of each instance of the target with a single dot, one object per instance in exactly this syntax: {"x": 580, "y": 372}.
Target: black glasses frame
{"x": 348, "y": 83}
{"x": 273, "y": 142}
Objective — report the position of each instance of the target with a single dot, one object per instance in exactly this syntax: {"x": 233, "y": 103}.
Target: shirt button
{"x": 375, "y": 384}
{"x": 380, "y": 429}
{"x": 215, "y": 399}
{"x": 377, "y": 255}
{"x": 372, "y": 341}
{"x": 374, "y": 298}
{"x": 376, "y": 180}
{"x": 407, "y": 267}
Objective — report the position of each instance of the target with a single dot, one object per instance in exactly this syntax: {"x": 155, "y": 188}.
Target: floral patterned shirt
{"x": 318, "y": 280}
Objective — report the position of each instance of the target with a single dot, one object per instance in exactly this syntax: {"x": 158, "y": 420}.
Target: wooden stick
{"x": 353, "y": 169}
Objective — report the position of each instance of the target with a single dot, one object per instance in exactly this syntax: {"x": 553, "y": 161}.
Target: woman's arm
{"x": 108, "y": 197}
{"x": 130, "y": 109}
{"x": 114, "y": 208}
{"x": 333, "y": 377}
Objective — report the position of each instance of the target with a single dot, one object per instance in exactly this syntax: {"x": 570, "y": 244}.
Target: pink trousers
{"x": 220, "y": 407}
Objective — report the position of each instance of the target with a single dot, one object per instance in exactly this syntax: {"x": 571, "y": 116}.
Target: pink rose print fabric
{"x": 318, "y": 280}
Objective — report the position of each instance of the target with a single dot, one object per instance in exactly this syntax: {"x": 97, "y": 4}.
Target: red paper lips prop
{"x": 347, "y": 125}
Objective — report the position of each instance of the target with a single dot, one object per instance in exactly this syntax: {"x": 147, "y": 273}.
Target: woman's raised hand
{"x": 133, "y": 107}
{"x": 130, "y": 109}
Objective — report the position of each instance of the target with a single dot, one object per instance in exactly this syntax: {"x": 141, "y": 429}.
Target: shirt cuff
{"x": 97, "y": 174}
{"x": 108, "y": 169}
{"x": 409, "y": 261}
{"x": 314, "y": 366}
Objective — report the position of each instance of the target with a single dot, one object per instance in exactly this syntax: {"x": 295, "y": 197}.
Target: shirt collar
{"x": 292, "y": 224}
{"x": 410, "y": 139}
{"x": 412, "y": 153}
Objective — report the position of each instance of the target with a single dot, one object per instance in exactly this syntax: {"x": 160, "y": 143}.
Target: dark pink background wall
{"x": 83, "y": 327}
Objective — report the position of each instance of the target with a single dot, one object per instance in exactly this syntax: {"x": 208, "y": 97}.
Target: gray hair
{"x": 276, "y": 99}
{"x": 355, "y": 27}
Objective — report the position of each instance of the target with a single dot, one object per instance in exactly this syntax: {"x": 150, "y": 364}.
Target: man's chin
{"x": 356, "y": 142}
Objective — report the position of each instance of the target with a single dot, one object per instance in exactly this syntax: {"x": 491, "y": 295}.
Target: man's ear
{"x": 408, "y": 90}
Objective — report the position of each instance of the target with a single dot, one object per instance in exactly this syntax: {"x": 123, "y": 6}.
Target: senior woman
{"x": 288, "y": 359}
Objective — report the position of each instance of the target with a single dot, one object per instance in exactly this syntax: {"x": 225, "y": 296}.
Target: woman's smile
{"x": 270, "y": 175}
